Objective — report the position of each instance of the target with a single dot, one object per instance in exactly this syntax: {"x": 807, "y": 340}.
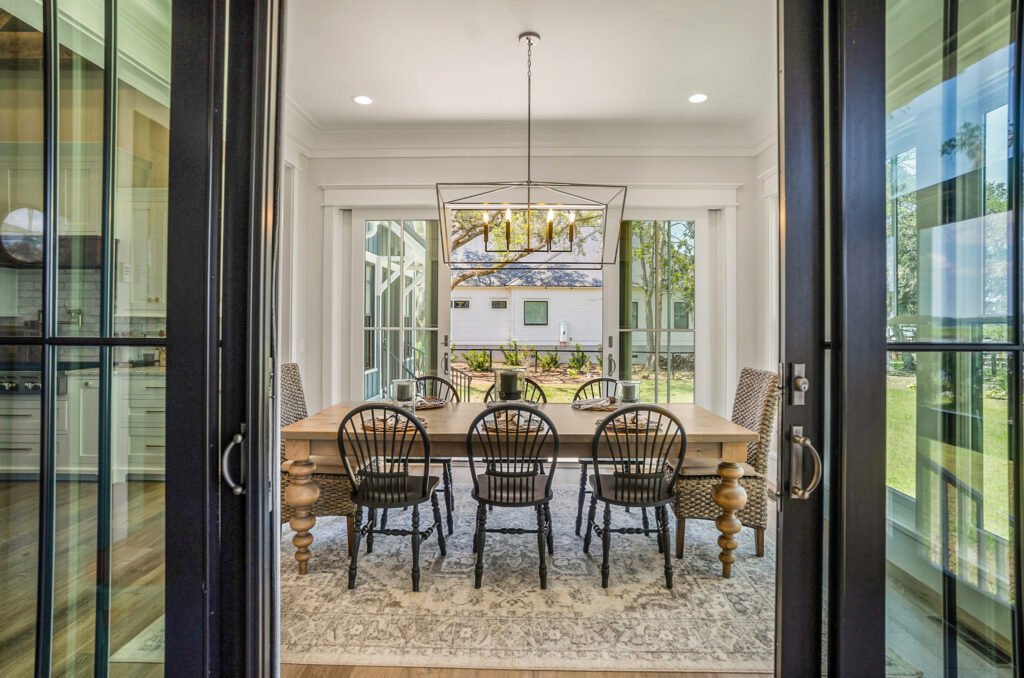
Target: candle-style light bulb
{"x": 551, "y": 221}
{"x": 572, "y": 226}
{"x": 508, "y": 228}
{"x": 487, "y": 220}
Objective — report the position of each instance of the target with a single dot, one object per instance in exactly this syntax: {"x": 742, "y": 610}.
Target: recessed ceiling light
{"x": 364, "y": 100}
{"x": 698, "y": 98}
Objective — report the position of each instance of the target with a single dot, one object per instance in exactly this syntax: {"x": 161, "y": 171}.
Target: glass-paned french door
{"x": 657, "y": 308}
{"x": 953, "y": 394}
{"x": 400, "y": 302}
{"x": 83, "y": 201}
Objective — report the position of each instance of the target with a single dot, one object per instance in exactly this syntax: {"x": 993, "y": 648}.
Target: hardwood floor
{"x": 319, "y": 671}
{"x": 137, "y": 573}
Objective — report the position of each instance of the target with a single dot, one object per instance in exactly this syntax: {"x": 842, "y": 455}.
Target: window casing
{"x": 535, "y": 312}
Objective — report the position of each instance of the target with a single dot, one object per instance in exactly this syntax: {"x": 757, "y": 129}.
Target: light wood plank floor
{"x": 315, "y": 671}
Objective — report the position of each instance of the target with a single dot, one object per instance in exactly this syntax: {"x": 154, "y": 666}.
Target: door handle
{"x": 611, "y": 364}
{"x": 444, "y": 363}
{"x": 798, "y": 446}
{"x": 224, "y": 472}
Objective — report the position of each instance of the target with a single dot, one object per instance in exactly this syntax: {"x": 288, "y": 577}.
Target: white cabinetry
{"x": 141, "y": 266}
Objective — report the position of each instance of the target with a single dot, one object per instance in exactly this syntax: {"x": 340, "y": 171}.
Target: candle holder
{"x": 510, "y": 383}
{"x": 627, "y": 392}
{"x": 403, "y": 394}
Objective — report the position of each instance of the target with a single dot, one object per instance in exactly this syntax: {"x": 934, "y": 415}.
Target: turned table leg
{"x": 730, "y": 497}
{"x": 301, "y": 493}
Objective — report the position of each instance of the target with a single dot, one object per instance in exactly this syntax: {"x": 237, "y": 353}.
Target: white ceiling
{"x": 599, "y": 61}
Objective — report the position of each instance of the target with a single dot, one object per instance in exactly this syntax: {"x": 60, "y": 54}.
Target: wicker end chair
{"x": 335, "y": 489}
{"x": 757, "y": 399}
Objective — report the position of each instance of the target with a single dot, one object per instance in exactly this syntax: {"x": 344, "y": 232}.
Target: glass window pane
{"x": 949, "y": 513}
{"x": 638, "y": 272}
{"x": 384, "y": 252}
{"x": 140, "y": 202}
{"x": 948, "y": 148}
{"x": 535, "y": 313}
{"x": 676, "y": 274}
{"x": 21, "y": 174}
{"x": 77, "y": 429}
{"x": 20, "y": 413}
{"x": 80, "y": 171}
{"x": 138, "y": 405}
{"x": 676, "y": 367}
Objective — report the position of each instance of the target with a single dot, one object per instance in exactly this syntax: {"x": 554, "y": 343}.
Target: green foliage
{"x": 548, "y": 362}
{"x": 516, "y": 355}
{"x": 477, "y": 361}
{"x": 578, "y": 360}
{"x": 572, "y": 372}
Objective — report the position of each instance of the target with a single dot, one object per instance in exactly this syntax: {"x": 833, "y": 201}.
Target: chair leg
{"x": 541, "y": 542}
{"x": 663, "y": 538}
{"x": 370, "y": 524}
{"x": 351, "y": 534}
{"x": 416, "y": 547}
{"x": 357, "y": 530}
{"x": 384, "y": 519}
{"x": 606, "y": 538}
{"x": 680, "y": 536}
{"x": 449, "y": 496}
{"x": 759, "y": 542}
{"x": 590, "y": 522}
{"x": 643, "y": 511}
{"x": 481, "y": 525}
{"x": 438, "y": 525}
{"x": 582, "y": 498}
{"x": 550, "y": 533}
{"x": 657, "y": 522}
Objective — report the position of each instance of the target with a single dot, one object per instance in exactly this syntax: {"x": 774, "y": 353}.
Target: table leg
{"x": 301, "y": 493}
{"x": 730, "y": 497}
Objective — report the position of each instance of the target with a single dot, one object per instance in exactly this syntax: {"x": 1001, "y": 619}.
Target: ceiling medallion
{"x": 529, "y": 224}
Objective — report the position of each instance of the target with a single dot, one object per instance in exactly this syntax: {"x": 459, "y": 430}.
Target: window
{"x": 460, "y": 303}
{"x": 680, "y": 317}
{"x": 535, "y": 313}
{"x": 499, "y": 303}
{"x": 634, "y": 314}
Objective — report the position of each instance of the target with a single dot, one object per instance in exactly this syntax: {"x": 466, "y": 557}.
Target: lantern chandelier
{"x": 529, "y": 224}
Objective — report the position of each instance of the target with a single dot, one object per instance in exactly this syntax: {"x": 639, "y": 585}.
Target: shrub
{"x": 572, "y": 372}
{"x": 548, "y": 362}
{"x": 477, "y": 361}
{"x": 514, "y": 354}
{"x": 578, "y": 360}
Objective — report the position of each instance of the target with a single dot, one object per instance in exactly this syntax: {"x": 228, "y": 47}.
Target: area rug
{"x": 705, "y": 623}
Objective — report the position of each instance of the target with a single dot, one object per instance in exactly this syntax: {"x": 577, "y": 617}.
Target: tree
{"x": 468, "y": 234}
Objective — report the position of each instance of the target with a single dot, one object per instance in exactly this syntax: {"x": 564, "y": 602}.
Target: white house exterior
{"x": 491, "y": 316}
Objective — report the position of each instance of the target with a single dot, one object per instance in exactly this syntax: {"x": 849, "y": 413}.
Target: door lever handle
{"x": 224, "y": 472}
{"x": 800, "y": 444}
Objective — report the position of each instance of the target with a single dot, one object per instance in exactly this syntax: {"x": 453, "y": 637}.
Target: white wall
{"x": 480, "y": 325}
{"x": 719, "y": 173}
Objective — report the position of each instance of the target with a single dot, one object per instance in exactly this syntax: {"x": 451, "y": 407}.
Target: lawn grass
{"x": 902, "y": 450}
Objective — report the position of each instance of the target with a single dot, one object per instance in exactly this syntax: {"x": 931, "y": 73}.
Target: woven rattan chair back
{"x": 534, "y": 393}
{"x": 602, "y": 387}
{"x": 755, "y": 405}
{"x": 376, "y": 441}
{"x": 507, "y": 445}
{"x": 437, "y": 387}
{"x": 293, "y": 398}
{"x": 645, "y": 446}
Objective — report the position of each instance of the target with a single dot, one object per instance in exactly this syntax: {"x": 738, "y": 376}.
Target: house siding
{"x": 480, "y": 325}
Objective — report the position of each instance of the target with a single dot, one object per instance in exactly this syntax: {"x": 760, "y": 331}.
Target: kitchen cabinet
{"x": 141, "y": 265}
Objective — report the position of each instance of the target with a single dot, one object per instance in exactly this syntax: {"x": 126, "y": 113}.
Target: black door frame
{"x": 221, "y": 600}
{"x": 832, "y": 145}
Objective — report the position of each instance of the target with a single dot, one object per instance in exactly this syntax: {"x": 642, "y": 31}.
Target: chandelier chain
{"x": 529, "y": 110}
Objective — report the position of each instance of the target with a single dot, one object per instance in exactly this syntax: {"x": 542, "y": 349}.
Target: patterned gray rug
{"x": 705, "y": 623}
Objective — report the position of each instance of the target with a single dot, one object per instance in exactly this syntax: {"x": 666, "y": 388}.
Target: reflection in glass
{"x": 950, "y": 510}
{"x": 21, "y": 175}
{"x": 20, "y": 412}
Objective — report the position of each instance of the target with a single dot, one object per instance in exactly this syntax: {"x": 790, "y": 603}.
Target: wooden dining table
{"x": 708, "y": 436}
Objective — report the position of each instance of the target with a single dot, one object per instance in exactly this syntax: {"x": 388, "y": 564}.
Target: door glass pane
{"x": 950, "y": 476}
{"x": 675, "y": 362}
{"x": 21, "y": 172}
{"x": 140, "y": 197}
{"x": 80, "y": 170}
{"x": 138, "y": 402}
{"x": 19, "y": 504}
{"x": 948, "y": 138}
{"x": 77, "y": 449}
